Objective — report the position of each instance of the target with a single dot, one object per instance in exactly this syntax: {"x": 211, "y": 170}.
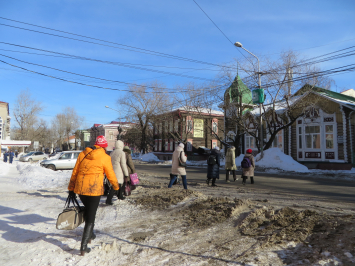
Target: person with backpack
{"x": 248, "y": 166}
{"x": 230, "y": 164}
{"x": 213, "y": 162}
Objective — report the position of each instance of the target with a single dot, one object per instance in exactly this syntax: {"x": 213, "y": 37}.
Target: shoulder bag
{"x": 181, "y": 163}
{"x": 127, "y": 189}
{"x": 134, "y": 179}
{"x": 71, "y": 217}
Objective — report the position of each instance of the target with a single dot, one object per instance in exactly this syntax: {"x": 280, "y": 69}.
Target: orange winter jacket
{"x": 88, "y": 174}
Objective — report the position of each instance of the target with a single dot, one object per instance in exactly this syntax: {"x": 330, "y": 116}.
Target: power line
{"x": 109, "y": 62}
{"x": 220, "y": 30}
{"x": 129, "y": 48}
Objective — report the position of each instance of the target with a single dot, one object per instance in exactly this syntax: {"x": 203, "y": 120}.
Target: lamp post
{"x": 261, "y": 140}
{"x": 119, "y": 128}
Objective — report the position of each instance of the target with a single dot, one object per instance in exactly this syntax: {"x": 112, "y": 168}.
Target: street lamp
{"x": 261, "y": 141}
{"x": 119, "y": 128}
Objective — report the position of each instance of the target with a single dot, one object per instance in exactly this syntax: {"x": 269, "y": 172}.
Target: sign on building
{"x": 36, "y": 145}
{"x": 198, "y": 128}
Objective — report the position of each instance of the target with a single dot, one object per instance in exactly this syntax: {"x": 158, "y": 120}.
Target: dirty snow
{"x": 161, "y": 226}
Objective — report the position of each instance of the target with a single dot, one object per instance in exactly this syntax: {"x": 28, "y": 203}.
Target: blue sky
{"x": 177, "y": 28}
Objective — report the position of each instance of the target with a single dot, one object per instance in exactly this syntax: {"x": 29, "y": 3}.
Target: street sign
{"x": 258, "y": 96}
{"x": 36, "y": 145}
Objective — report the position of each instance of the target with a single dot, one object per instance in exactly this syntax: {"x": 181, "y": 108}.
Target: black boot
{"x": 110, "y": 196}
{"x": 234, "y": 175}
{"x": 85, "y": 239}
{"x": 93, "y": 236}
{"x": 244, "y": 179}
{"x": 213, "y": 182}
{"x": 120, "y": 192}
{"x": 227, "y": 176}
{"x": 252, "y": 180}
{"x": 208, "y": 181}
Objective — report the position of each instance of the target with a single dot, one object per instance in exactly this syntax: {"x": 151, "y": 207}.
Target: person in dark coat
{"x": 5, "y": 157}
{"x": 16, "y": 154}
{"x": 11, "y": 155}
{"x": 213, "y": 169}
{"x": 130, "y": 166}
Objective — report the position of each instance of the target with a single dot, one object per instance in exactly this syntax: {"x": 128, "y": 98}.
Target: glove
{"x": 72, "y": 194}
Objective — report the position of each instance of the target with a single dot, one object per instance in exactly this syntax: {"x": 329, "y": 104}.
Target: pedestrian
{"x": 230, "y": 164}
{"x": 87, "y": 180}
{"x": 213, "y": 164}
{"x": 5, "y": 156}
{"x": 248, "y": 166}
{"x": 11, "y": 156}
{"x": 179, "y": 159}
{"x": 130, "y": 166}
{"x": 16, "y": 153}
{"x": 118, "y": 159}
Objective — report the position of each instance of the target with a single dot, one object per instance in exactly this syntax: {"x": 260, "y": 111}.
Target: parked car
{"x": 65, "y": 161}
{"x": 33, "y": 156}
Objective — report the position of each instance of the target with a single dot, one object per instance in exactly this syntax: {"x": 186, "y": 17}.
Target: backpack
{"x": 246, "y": 163}
{"x": 212, "y": 160}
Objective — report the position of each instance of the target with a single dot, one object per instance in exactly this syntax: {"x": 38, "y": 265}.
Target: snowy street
{"x": 160, "y": 226}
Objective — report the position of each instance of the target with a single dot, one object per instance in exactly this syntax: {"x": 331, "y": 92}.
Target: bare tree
{"x": 65, "y": 124}
{"x": 141, "y": 104}
{"x": 26, "y": 112}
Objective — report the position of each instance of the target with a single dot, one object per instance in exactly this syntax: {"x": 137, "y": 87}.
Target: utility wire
{"x": 220, "y": 30}
{"x": 110, "y": 62}
{"x": 138, "y": 50}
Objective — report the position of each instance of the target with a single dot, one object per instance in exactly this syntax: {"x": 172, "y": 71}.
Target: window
{"x": 188, "y": 126}
{"x": 66, "y": 156}
{"x": 329, "y": 137}
{"x": 171, "y": 126}
{"x": 214, "y": 143}
{"x": 189, "y": 145}
{"x": 300, "y": 137}
{"x": 111, "y": 135}
{"x": 76, "y": 155}
{"x": 171, "y": 145}
{"x": 176, "y": 125}
{"x": 160, "y": 128}
{"x": 166, "y": 145}
{"x": 249, "y": 142}
{"x": 160, "y": 145}
{"x": 156, "y": 145}
{"x": 215, "y": 126}
{"x": 278, "y": 140}
{"x": 312, "y": 137}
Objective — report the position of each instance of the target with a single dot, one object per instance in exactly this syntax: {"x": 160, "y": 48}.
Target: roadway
{"x": 323, "y": 188}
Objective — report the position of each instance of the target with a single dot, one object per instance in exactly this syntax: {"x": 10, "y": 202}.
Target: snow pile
{"x": 275, "y": 158}
{"x": 36, "y": 177}
{"x": 149, "y": 157}
{"x": 4, "y": 168}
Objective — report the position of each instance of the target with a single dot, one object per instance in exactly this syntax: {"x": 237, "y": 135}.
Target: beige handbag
{"x": 71, "y": 217}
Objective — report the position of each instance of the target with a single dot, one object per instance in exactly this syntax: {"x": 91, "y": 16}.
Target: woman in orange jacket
{"x": 87, "y": 180}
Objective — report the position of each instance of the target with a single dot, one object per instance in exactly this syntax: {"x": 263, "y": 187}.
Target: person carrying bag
{"x": 178, "y": 165}
{"x": 71, "y": 217}
{"x": 87, "y": 180}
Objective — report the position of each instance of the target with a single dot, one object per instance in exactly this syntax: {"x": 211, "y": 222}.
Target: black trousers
{"x": 91, "y": 204}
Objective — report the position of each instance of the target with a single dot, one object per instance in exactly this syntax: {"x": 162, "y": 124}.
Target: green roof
{"x": 333, "y": 94}
{"x": 237, "y": 89}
